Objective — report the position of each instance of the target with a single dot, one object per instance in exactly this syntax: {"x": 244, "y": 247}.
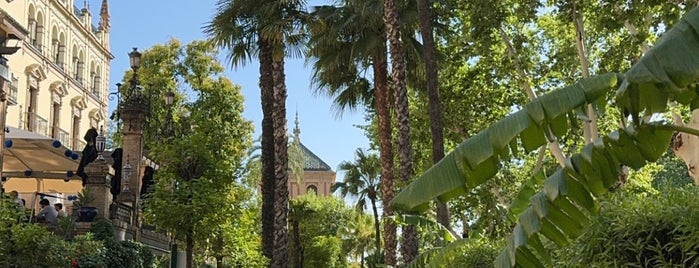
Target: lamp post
{"x": 169, "y": 100}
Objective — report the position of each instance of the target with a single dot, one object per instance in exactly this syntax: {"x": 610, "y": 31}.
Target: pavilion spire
{"x": 297, "y": 130}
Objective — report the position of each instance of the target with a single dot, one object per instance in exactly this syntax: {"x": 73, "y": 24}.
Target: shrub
{"x": 102, "y": 230}
{"x": 480, "y": 252}
{"x": 658, "y": 230}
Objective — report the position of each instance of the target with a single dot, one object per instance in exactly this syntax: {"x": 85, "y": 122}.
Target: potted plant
{"x": 82, "y": 208}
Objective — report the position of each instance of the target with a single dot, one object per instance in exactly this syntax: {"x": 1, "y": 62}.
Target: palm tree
{"x": 344, "y": 42}
{"x": 561, "y": 210}
{"x": 409, "y": 246}
{"x": 363, "y": 182}
{"x": 268, "y": 30}
{"x": 429, "y": 54}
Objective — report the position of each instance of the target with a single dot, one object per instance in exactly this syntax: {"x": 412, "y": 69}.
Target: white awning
{"x": 32, "y": 155}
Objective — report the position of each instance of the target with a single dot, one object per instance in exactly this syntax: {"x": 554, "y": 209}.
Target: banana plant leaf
{"x": 667, "y": 72}
{"x": 476, "y": 159}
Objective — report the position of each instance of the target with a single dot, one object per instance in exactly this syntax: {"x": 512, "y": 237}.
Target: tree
{"x": 198, "y": 162}
{"x": 316, "y": 223}
{"x": 270, "y": 31}
{"x": 429, "y": 54}
{"x": 363, "y": 182}
{"x": 409, "y": 245}
{"x": 344, "y": 42}
{"x": 558, "y": 212}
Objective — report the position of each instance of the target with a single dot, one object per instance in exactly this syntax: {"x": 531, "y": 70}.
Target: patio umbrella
{"x": 32, "y": 155}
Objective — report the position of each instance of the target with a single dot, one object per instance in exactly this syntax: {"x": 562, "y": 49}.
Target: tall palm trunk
{"x": 383, "y": 116}
{"x": 429, "y": 53}
{"x": 280, "y": 256}
{"x": 377, "y": 223}
{"x": 409, "y": 247}
{"x": 267, "y": 143}
{"x": 296, "y": 257}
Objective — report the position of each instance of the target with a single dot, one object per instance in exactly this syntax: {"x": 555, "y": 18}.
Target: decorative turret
{"x": 104, "y": 16}
{"x": 86, "y": 16}
{"x": 104, "y": 25}
{"x": 297, "y": 130}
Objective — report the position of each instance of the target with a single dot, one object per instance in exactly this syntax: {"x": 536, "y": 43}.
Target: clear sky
{"x": 142, "y": 24}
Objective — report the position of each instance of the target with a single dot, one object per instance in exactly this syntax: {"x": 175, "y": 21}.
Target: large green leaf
{"x": 665, "y": 72}
{"x": 555, "y": 212}
{"x": 476, "y": 159}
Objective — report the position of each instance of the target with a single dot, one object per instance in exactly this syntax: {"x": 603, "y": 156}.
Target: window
{"x": 31, "y": 24}
{"x": 56, "y": 121}
{"x": 75, "y": 133}
{"x": 31, "y": 109}
{"x": 38, "y": 35}
{"x": 312, "y": 189}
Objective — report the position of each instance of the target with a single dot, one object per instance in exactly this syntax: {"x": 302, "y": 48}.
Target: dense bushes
{"x": 477, "y": 253}
{"x": 654, "y": 230}
{"x": 33, "y": 245}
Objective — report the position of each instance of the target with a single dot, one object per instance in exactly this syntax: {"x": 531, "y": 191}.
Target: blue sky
{"x": 142, "y": 24}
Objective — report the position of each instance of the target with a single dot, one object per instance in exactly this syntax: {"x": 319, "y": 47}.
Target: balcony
{"x": 63, "y": 137}
{"x": 12, "y": 91}
{"x": 38, "y": 124}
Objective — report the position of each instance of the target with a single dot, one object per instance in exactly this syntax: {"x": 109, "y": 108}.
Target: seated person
{"x": 47, "y": 214}
{"x": 14, "y": 195}
{"x": 59, "y": 209}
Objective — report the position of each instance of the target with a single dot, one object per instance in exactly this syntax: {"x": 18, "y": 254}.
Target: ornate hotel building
{"x": 59, "y": 78}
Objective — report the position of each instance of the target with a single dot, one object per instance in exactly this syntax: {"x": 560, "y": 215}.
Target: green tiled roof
{"x": 312, "y": 161}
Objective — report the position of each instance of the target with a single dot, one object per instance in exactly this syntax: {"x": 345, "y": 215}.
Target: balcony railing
{"x": 63, "y": 137}
{"x": 41, "y": 125}
{"x": 12, "y": 91}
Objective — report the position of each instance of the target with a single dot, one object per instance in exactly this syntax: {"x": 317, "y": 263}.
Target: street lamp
{"x": 135, "y": 59}
{"x": 169, "y": 97}
{"x": 100, "y": 143}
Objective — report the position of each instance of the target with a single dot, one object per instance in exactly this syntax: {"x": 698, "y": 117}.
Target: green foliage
{"x": 102, "y": 230}
{"x": 324, "y": 251}
{"x": 320, "y": 220}
{"x": 673, "y": 173}
{"x": 476, "y": 253}
{"x": 85, "y": 198}
{"x": 559, "y": 211}
{"x": 201, "y": 160}
{"x": 655, "y": 230}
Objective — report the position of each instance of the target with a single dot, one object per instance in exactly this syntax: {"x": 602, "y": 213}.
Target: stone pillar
{"x": 99, "y": 183}
{"x": 133, "y": 113}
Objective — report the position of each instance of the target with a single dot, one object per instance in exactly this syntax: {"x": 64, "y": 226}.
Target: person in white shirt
{"x": 15, "y": 199}
{"x": 47, "y": 214}
{"x": 59, "y": 210}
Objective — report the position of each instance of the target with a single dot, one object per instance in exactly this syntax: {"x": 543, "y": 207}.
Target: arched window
{"x": 31, "y": 25}
{"x": 96, "y": 80}
{"x": 38, "y": 36}
{"x": 80, "y": 67}
{"x": 74, "y": 62}
{"x": 54, "y": 45}
{"x": 312, "y": 189}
